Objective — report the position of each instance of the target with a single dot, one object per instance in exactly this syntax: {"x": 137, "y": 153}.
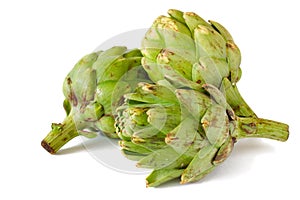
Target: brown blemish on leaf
{"x": 192, "y": 14}
{"x": 230, "y": 113}
{"x": 231, "y": 45}
{"x": 166, "y": 52}
{"x": 205, "y": 124}
{"x": 198, "y": 81}
{"x": 69, "y": 81}
{"x": 147, "y": 66}
{"x": 71, "y": 96}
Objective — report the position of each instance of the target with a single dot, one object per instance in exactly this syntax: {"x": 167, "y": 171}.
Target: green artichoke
{"x": 181, "y": 132}
{"x": 186, "y": 45}
{"x": 88, "y": 91}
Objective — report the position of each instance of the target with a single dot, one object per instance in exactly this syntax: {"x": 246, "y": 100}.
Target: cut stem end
{"x": 60, "y": 135}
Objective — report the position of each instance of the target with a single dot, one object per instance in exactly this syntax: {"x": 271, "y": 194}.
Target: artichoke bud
{"x": 187, "y": 122}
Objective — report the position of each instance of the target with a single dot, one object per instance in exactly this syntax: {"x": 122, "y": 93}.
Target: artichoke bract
{"x": 199, "y": 51}
{"x": 88, "y": 92}
{"x": 181, "y": 132}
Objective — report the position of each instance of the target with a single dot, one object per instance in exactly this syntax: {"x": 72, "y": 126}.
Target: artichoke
{"x": 185, "y": 45}
{"x": 186, "y": 122}
{"x": 88, "y": 92}
{"x": 181, "y": 132}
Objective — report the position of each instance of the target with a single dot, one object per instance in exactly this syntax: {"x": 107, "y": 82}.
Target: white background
{"x": 40, "y": 41}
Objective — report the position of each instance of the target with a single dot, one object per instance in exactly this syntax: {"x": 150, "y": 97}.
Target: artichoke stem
{"x": 60, "y": 134}
{"x": 243, "y": 109}
{"x": 248, "y": 127}
{"x": 236, "y": 101}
